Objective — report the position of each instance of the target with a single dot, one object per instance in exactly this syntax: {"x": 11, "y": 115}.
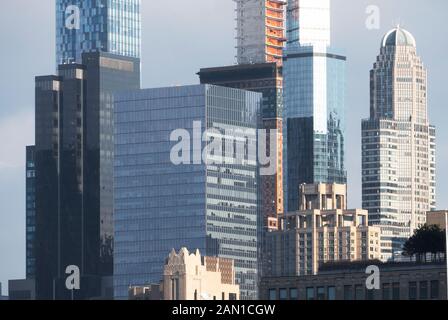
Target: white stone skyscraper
{"x": 398, "y": 144}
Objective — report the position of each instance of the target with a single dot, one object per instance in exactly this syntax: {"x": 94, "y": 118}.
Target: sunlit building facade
{"x": 398, "y": 144}
{"x": 314, "y": 99}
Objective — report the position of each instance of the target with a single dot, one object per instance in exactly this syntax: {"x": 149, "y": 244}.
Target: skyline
{"x": 12, "y": 165}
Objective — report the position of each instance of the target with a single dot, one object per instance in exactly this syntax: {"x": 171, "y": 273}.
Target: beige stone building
{"x": 188, "y": 276}
{"x": 323, "y": 230}
{"x": 398, "y": 144}
{"x": 438, "y": 218}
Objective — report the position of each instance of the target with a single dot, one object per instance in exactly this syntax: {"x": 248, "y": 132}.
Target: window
{"x": 293, "y": 294}
{"x": 320, "y": 293}
{"x": 232, "y": 296}
{"x": 423, "y": 290}
{"x": 412, "y": 290}
{"x": 359, "y": 292}
{"x": 434, "y": 289}
{"x": 310, "y": 293}
{"x": 386, "y": 291}
{"x": 331, "y": 293}
{"x": 283, "y": 294}
{"x": 348, "y": 293}
{"x": 370, "y": 294}
{"x": 272, "y": 294}
{"x": 396, "y": 291}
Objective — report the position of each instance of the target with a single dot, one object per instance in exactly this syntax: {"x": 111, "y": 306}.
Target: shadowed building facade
{"x": 74, "y": 165}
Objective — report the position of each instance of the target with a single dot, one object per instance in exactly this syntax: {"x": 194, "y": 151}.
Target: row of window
{"x": 421, "y": 290}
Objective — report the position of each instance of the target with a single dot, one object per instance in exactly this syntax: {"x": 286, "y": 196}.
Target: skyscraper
{"x": 267, "y": 79}
{"x": 200, "y": 202}
{"x": 398, "y": 143}
{"x": 30, "y": 193}
{"x": 260, "y": 31}
{"x": 308, "y": 23}
{"x": 314, "y": 99}
{"x": 74, "y": 164}
{"x": 112, "y": 26}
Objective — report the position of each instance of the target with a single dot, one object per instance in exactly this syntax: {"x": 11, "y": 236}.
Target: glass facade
{"x": 30, "y": 212}
{"x": 314, "y": 119}
{"x": 202, "y": 205}
{"x": 74, "y": 163}
{"x": 308, "y": 23}
{"x": 112, "y": 26}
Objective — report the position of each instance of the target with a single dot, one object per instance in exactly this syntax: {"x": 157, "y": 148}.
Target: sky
{"x": 178, "y": 40}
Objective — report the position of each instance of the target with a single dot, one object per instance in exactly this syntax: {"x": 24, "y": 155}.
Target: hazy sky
{"x": 178, "y": 39}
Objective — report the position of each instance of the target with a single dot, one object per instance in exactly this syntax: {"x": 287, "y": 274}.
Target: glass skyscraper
{"x": 206, "y": 205}
{"x": 314, "y": 98}
{"x": 398, "y": 144}
{"x": 74, "y": 171}
{"x": 112, "y": 26}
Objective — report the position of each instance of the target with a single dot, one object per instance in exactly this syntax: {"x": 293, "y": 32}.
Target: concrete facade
{"x": 260, "y": 31}
{"x": 323, "y": 231}
{"x": 398, "y": 144}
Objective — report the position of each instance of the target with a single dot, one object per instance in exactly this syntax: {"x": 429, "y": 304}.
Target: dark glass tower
{"x": 30, "y": 212}
{"x": 112, "y": 26}
{"x": 74, "y": 171}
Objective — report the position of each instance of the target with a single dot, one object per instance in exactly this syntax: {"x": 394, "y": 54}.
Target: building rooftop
{"x": 398, "y": 37}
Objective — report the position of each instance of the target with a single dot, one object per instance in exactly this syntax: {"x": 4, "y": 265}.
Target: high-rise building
{"x": 323, "y": 230}
{"x": 74, "y": 163}
{"x": 170, "y": 197}
{"x": 314, "y": 100}
{"x": 267, "y": 79}
{"x": 398, "y": 144}
{"x": 30, "y": 203}
{"x": 260, "y": 31}
{"x": 112, "y": 26}
{"x": 308, "y": 23}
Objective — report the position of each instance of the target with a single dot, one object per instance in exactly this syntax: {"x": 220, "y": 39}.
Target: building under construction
{"x": 260, "y": 37}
